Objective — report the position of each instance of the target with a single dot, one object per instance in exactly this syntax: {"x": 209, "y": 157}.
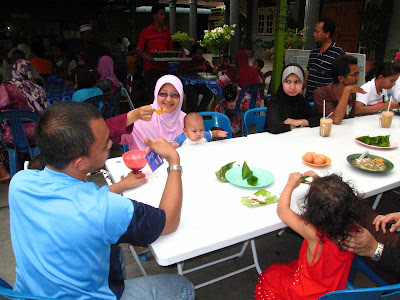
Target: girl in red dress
{"x": 331, "y": 210}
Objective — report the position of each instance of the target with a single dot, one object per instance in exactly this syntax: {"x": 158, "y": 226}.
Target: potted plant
{"x": 217, "y": 40}
{"x": 294, "y": 39}
{"x": 248, "y": 44}
{"x": 183, "y": 38}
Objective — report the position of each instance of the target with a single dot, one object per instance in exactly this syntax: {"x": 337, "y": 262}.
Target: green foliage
{"x": 183, "y": 38}
{"x": 372, "y": 20}
{"x": 294, "y": 39}
{"x": 218, "y": 39}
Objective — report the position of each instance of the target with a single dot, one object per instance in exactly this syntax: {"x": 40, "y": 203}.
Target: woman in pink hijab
{"x": 132, "y": 127}
{"x": 108, "y": 81}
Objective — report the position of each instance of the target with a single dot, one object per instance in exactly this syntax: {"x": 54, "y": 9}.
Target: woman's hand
{"x": 144, "y": 113}
{"x": 383, "y": 220}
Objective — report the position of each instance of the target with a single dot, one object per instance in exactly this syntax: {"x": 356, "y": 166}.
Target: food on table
{"x": 260, "y": 198}
{"x": 314, "y": 158}
{"x": 221, "y": 172}
{"x": 246, "y": 172}
{"x": 370, "y": 164}
{"x": 252, "y": 180}
{"x": 160, "y": 110}
{"x": 380, "y": 140}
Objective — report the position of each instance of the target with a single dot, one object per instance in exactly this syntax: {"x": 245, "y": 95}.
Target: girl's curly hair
{"x": 332, "y": 206}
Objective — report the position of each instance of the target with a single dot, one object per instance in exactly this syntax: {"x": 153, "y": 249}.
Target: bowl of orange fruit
{"x": 316, "y": 160}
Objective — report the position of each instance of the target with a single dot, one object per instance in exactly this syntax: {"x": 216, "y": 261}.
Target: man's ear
{"x": 79, "y": 163}
{"x": 341, "y": 78}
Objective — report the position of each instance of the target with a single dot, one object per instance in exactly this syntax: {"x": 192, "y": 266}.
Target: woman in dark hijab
{"x": 287, "y": 108}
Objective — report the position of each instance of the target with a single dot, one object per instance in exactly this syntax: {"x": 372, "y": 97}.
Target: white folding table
{"x": 213, "y": 216}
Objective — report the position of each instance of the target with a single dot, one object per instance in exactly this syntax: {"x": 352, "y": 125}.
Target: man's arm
{"x": 171, "y": 200}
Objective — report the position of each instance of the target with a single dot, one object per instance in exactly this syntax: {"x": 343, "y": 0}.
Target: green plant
{"x": 247, "y": 43}
{"x": 218, "y": 39}
{"x": 183, "y": 38}
{"x": 372, "y": 20}
{"x": 294, "y": 39}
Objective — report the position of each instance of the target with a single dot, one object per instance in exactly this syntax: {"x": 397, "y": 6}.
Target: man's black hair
{"x": 329, "y": 26}
{"x": 63, "y": 132}
{"x": 195, "y": 47}
{"x": 341, "y": 66}
{"x": 156, "y": 8}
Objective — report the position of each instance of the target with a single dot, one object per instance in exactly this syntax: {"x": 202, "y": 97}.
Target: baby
{"x": 194, "y": 133}
{"x": 258, "y": 64}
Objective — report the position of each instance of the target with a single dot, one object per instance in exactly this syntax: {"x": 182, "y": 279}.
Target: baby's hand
{"x": 174, "y": 144}
{"x": 221, "y": 133}
{"x": 294, "y": 180}
{"x": 311, "y": 174}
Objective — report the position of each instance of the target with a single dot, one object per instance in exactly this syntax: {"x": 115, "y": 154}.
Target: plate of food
{"x": 259, "y": 198}
{"x": 316, "y": 160}
{"x": 396, "y": 110}
{"x": 371, "y": 163}
{"x": 249, "y": 177}
{"x": 377, "y": 142}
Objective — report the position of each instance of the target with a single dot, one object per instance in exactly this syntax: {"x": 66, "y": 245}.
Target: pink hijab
{"x": 166, "y": 125}
{"x": 105, "y": 68}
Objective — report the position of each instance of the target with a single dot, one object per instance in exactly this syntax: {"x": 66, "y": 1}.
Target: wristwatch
{"x": 378, "y": 252}
{"x": 175, "y": 168}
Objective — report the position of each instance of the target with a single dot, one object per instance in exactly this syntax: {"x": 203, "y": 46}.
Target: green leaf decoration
{"x": 380, "y": 140}
{"x": 221, "y": 172}
{"x": 252, "y": 180}
{"x": 246, "y": 172}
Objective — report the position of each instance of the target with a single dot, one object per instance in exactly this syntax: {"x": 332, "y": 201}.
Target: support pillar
{"x": 193, "y": 19}
{"x": 234, "y": 19}
{"x": 172, "y": 16}
{"x": 311, "y": 17}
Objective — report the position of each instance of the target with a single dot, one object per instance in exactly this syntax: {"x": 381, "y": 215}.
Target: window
{"x": 265, "y": 20}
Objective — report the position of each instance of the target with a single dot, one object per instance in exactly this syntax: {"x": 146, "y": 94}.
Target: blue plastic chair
{"x": 268, "y": 94}
{"x": 112, "y": 108}
{"x": 21, "y": 144}
{"x": 97, "y": 101}
{"x": 254, "y": 88}
{"x": 253, "y": 116}
{"x": 8, "y": 293}
{"x": 214, "y": 119}
{"x": 382, "y": 291}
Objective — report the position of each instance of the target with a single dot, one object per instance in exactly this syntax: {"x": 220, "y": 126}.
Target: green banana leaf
{"x": 221, "y": 172}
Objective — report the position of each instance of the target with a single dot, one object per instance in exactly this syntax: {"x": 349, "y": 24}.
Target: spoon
{"x": 363, "y": 155}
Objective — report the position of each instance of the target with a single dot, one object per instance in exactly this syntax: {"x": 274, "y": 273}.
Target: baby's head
{"x": 332, "y": 206}
{"x": 193, "y": 126}
{"x": 258, "y": 64}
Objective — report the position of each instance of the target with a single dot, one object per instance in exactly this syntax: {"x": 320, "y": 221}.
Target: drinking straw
{"x": 390, "y": 101}
{"x": 329, "y": 115}
{"x": 323, "y": 112}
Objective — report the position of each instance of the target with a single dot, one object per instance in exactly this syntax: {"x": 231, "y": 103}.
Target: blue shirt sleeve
{"x": 180, "y": 138}
{"x": 146, "y": 225}
{"x": 208, "y": 135}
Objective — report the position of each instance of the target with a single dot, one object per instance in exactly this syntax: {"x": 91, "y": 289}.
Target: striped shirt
{"x": 319, "y": 67}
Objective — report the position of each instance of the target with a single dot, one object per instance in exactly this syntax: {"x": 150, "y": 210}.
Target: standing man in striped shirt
{"x": 319, "y": 66}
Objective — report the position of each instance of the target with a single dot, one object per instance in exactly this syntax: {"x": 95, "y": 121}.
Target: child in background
{"x": 376, "y": 98}
{"x": 258, "y": 64}
{"x": 330, "y": 212}
{"x": 223, "y": 64}
{"x": 194, "y": 133}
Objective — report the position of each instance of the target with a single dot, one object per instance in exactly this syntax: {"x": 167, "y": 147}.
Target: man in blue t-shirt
{"x": 62, "y": 227}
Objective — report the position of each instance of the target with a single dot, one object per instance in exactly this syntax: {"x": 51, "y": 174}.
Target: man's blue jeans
{"x": 163, "y": 286}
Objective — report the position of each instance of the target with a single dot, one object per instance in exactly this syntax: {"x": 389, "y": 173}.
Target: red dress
{"x": 298, "y": 280}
